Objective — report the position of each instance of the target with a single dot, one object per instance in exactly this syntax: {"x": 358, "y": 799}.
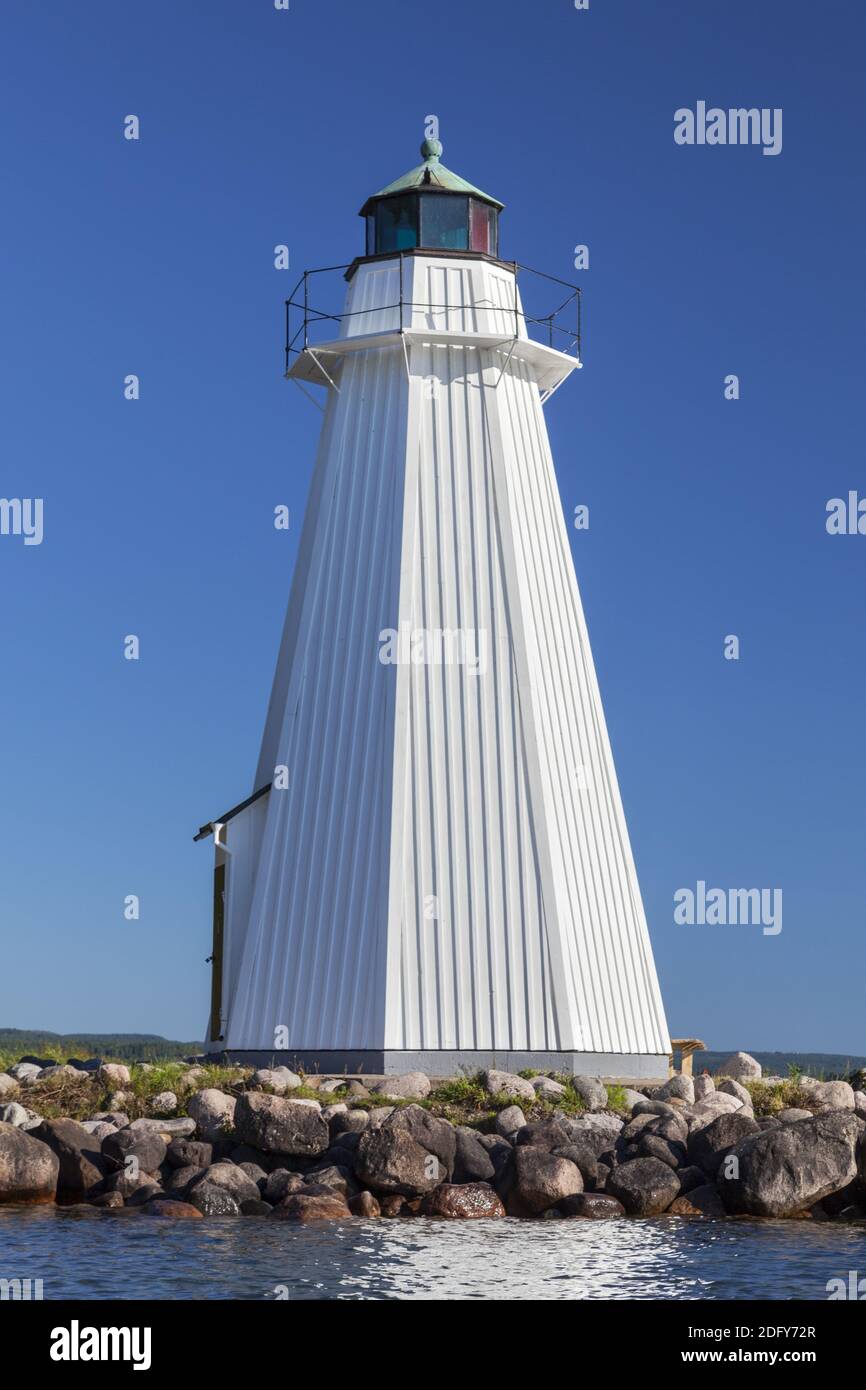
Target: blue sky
{"x": 707, "y": 516}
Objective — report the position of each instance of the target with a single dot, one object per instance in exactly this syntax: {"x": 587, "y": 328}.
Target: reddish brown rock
{"x": 462, "y": 1201}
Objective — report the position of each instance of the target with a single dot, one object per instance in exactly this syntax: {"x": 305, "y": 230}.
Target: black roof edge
{"x": 206, "y": 830}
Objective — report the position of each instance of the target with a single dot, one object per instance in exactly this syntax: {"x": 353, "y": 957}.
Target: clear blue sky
{"x": 706, "y": 516}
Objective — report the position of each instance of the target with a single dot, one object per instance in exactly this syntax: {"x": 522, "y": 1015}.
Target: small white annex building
{"x": 434, "y": 869}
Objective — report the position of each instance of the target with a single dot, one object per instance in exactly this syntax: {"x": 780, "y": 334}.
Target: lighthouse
{"x": 433, "y": 870}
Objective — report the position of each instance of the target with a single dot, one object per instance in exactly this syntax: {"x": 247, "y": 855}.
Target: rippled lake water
{"x": 88, "y": 1253}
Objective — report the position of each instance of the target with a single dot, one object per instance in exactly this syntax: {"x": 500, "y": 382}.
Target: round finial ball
{"x": 431, "y": 149}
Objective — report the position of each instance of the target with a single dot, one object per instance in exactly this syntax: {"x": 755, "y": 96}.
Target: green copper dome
{"x": 433, "y": 176}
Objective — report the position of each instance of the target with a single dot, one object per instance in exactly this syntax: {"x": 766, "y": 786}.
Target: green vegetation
{"x": 116, "y": 1047}
{"x": 769, "y": 1100}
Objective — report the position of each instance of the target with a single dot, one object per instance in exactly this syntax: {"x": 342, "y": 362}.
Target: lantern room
{"x": 431, "y": 209}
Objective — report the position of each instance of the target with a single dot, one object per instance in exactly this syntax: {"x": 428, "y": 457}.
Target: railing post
{"x": 288, "y": 325}
{"x": 401, "y": 291}
{"x": 579, "y": 351}
{"x": 516, "y": 318}
{"x": 306, "y": 307}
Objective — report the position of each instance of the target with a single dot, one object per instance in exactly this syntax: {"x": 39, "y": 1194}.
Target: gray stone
{"x": 179, "y": 1128}
{"x": 378, "y": 1114}
{"x": 709, "y": 1145}
{"x": 145, "y": 1146}
{"x": 24, "y": 1071}
{"x": 231, "y": 1179}
{"x": 539, "y": 1181}
{"x": 610, "y": 1125}
{"x": 728, "y": 1087}
{"x": 280, "y": 1183}
{"x": 183, "y": 1153}
{"x": 213, "y": 1112}
{"x": 410, "y": 1154}
{"x": 591, "y": 1091}
{"x": 669, "y": 1151}
{"x": 506, "y": 1083}
{"x": 8, "y": 1085}
{"x": 645, "y": 1186}
{"x": 594, "y": 1206}
{"x": 633, "y": 1098}
{"x": 546, "y": 1088}
{"x": 165, "y": 1103}
{"x": 113, "y": 1074}
{"x": 14, "y": 1114}
{"x": 782, "y": 1171}
{"x": 348, "y": 1122}
{"x": 681, "y": 1087}
{"x": 28, "y": 1169}
{"x": 254, "y": 1206}
{"x": 98, "y": 1129}
{"x": 740, "y": 1066}
{"x": 546, "y": 1134}
{"x": 278, "y": 1125}
{"x": 704, "y": 1086}
{"x": 413, "y": 1086}
{"x": 279, "y": 1079}
{"x": 700, "y": 1201}
{"x": 792, "y": 1114}
{"x": 211, "y": 1200}
{"x": 472, "y": 1162}
{"x": 510, "y": 1120}
{"x": 82, "y": 1164}
{"x": 832, "y": 1095}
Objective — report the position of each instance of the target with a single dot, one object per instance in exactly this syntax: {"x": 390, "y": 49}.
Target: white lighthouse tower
{"x": 434, "y": 870}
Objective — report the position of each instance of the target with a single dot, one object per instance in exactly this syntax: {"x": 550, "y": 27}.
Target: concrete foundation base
{"x": 382, "y": 1062}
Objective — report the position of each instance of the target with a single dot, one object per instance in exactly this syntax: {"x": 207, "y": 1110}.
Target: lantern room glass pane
{"x": 482, "y": 227}
{"x": 371, "y": 236}
{"x": 397, "y": 224}
{"x": 445, "y": 221}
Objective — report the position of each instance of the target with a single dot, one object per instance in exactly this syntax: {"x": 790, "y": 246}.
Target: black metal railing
{"x": 303, "y": 318}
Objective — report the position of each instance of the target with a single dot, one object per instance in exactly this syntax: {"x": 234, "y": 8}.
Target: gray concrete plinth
{"x": 378, "y": 1062}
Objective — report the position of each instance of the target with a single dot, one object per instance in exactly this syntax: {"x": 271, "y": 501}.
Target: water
{"x": 83, "y": 1252}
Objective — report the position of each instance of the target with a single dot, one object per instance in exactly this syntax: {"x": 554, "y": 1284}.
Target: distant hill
{"x": 820, "y": 1064}
{"x": 129, "y": 1047}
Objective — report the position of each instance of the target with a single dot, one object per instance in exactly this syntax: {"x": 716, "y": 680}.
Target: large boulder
{"x": 679, "y": 1087}
{"x": 591, "y": 1091}
{"x": 472, "y": 1162}
{"x": 729, "y": 1087}
{"x": 645, "y": 1186}
{"x": 231, "y": 1179}
{"x": 82, "y": 1164}
{"x": 703, "y": 1112}
{"x": 670, "y": 1151}
{"x": 28, "y": 1169}
{"x": 413, "y": 1086}
{"x": 113, "y": 1074}
{"x": 280, "y": 1079}
{"x": 214, "y": 1201}
{"x": 611, "y": 1125}
{"x": 146, "y": 1147}
{"x": 282, "y": 1126}
{"x": 410, "y": 1153}
{"x": 505, "y": 1083}
{"x": 509, "y": 1121}
{"x": 832, "y": 1095}
{"x": 540, "y": 1180}
{"x": 709, "y": 1145}
{"x": 704, "y": 1086}
{"x": 547, "y": 1135}
{"x": 185, "y": 1153}
{"x": 782, "y": 1171}
{"x": 740, "y": 1066}
{"x": 700, "y": 1201}
{"x": 213, "y": 1112}
{"x": 25, "y": 1071}
{"x": 308, "y": 1207}
{"x": 596, "y": 1206}
{"x": 465, "y": 1201}
{"x": 8, "y": 1086}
